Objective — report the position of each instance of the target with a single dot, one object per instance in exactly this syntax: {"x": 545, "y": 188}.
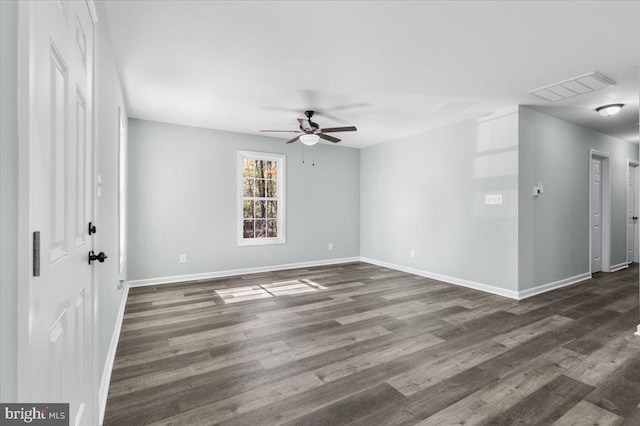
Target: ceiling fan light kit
{"x": 310, "y": 139}
{"x": 609, "y": 110}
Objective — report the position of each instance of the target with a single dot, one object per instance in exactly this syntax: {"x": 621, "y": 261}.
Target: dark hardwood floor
{"x": 361, "y": 344}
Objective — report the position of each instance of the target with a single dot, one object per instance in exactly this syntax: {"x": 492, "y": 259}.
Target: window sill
{"x": 261, "y": 242}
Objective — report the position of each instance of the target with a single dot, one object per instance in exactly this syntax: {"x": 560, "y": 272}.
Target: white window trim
{"x": 281, "y": 190}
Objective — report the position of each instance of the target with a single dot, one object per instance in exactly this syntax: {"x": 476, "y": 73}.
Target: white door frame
{"x": 25, "y": 108}
{"x": 634, "y": 164}
{"x": 26, "y": 112}
{"x": 606, "y": 209}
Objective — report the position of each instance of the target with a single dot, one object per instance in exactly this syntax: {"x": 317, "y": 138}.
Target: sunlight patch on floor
{"x": 261, "y": 291}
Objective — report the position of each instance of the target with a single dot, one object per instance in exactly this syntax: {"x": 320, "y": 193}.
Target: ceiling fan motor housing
{"x": 314, "y": 126}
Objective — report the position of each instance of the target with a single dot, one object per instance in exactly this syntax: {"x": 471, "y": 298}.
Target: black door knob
{"x": 100, "y": 257}
{"x": 635, "y": 217}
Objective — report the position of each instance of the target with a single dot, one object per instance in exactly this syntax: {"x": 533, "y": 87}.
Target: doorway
{"x": 599, "y": 212}
{"x": 632, "y": 211}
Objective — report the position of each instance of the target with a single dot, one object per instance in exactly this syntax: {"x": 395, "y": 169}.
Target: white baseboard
{"x": 637, "y": 333}
{"x": 451, "y": 280}
{"x": 618, "y": 267}
{"x": 517, "y": 295}
{"x": 553, "y": 286}
{"x": 103, "y": 392}
{"x": 234, "y": 272}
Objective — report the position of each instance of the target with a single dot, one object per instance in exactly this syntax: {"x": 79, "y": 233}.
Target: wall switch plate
{"x": 183, "y": 258}
{"x": 412, "y": 253}
{"x": 493, "y": 199}
{"x": 330, "y": 246}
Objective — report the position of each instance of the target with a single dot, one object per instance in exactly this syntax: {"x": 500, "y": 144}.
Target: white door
{"x": 60, "y": 350}
{"x": 596, "y": 215}
{"x": 631, "y": 215}
{"x": 636, "y": 233}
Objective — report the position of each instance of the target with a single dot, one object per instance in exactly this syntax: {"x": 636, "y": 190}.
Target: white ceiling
{"x": 390, "y": 68}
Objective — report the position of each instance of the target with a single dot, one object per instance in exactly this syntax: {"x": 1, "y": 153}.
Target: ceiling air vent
{"x": 573, "y": 87}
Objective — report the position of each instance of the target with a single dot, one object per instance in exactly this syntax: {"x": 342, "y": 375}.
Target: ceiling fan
{"x": 310, "y": 133}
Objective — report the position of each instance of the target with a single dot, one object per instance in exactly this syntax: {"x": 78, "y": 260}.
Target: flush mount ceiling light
{"x": 609, "y": 110}
{"x": 309, "y": 139}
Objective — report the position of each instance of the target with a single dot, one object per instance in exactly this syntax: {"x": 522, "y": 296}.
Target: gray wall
{"x": 8, "y": 197}
{"x": 108, "y": 99}
{"x": 426, "y": 192}
{"x": 554, "y": 229}
{"x": 182, "y": 199}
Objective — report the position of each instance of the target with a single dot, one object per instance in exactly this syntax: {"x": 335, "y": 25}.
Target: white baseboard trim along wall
{"x": 512, "y": 294}
{"x": 618, "y": 267}
{"x": 234, "y": 272}
{"x": 553, "y": 286}
{"x": 103, "y": 392}
{"x": 451, "y": 280}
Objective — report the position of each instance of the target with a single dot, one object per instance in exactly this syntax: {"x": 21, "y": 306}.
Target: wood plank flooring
{"x": 365, "y": 345}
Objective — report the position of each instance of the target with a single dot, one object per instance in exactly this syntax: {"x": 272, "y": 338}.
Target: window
{"x": 122, "y": 187}
{"x": 261, "y": 208}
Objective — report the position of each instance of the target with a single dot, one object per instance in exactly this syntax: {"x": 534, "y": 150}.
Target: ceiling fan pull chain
{"x": 313, "y": 154}
{"x": 302, "y": 153}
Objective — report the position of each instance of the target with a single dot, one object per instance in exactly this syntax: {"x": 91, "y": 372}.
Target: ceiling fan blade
{"x": 329, "y": 138}
{"x": 339, "y": 129}
{"x": 294, "y": 139}
{"x": 282, "y": 131}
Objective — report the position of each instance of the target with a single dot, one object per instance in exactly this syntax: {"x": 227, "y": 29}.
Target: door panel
{"x": 61, "y": 306}
{"x": 596, "y": 215}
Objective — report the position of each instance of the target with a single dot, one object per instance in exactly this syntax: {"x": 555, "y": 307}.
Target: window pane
{"x": 249, "y": 169}
{"x": 248, "y": 229}
{"x": 260, "y": 169}
{"x": 261, "y": 209}
{"x": 248, "y": 187}
{"x": 272, "y": 228}
{"x": 272, "y": 209}
{"x": 259, "y": 188}
{"x": 248, "y": 209}
{"x": 261, "y": 228}
{"x": 272, "y": 187}
{"x": 271, "y": 170}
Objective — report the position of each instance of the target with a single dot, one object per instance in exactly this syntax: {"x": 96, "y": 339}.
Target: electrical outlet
{"x": 330, "y": 246}
{"x": 412, "y": 253}
{"x": 120, "y": 284}
{"x": 183, "y": 258}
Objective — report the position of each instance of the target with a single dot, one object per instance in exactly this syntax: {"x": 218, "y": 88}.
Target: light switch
{"x": 493, "y": 199}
